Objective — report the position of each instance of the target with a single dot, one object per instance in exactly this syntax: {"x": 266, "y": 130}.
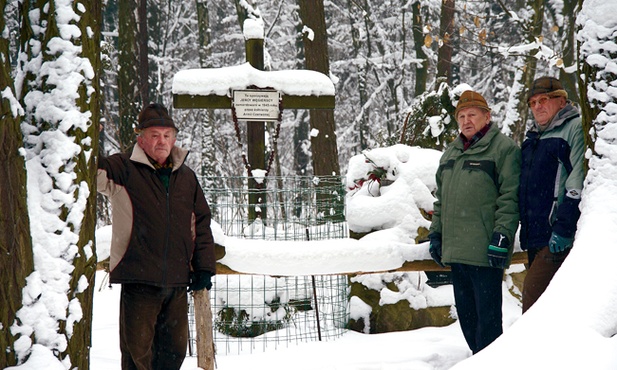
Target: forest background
{"x": 74, "y": 76}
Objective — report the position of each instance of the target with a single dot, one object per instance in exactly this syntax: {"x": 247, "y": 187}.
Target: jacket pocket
{"x": 487, "y": 167}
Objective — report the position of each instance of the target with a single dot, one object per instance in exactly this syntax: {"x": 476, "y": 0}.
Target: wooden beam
{"x": 421, "y": 265}
{"x": 224, "y": 102}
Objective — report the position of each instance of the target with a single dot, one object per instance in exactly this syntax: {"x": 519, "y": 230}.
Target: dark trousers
{"x": 478, "y": 299}
{"x": 542, "y": 266}
{"x": 153, "y": 327}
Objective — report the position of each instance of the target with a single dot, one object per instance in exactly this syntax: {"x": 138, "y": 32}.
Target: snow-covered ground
{"x": 426, "y": 348}
{"x": 572, "y": 326}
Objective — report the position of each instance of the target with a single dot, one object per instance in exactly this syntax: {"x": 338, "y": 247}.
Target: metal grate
{"x": 254, "y": 312}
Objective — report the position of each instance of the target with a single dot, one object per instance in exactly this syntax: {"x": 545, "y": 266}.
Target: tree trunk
{"x": 129, "y": 103}
{"x": 418, "y": 40}
{"x": 588, "y": 112}
{"x": 525, "y": 78}
{"x": 535, "y": 31}
{"x": 587, "y": 79}
{"x": 446, "y": 32}
{"x": 75, "y": 214}
{"x": 85, "y": 263}
{"x": 241, "y": 12}
{"x": 142, "y": 47}
{"x": 324, "y": 148}
{"x": 323, "y": 145}
{"x": 203, "y": 20}
{"x": 364, "y": 71}
{"x": 15, "y": 244}
{"x": 568, "y": 46}
{"x": 301, "y": 141}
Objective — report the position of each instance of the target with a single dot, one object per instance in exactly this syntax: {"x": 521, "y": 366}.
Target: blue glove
{"x": 435, "y": 248}
{"x": 498, "y": 251}
{"x": 559, "y": 244}
{"x": 200, "y": 280}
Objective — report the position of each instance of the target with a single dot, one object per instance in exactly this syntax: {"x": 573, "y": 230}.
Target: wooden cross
{"x": 186, "y": 98}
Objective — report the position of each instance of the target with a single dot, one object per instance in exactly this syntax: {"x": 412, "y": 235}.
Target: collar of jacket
{"x": 178, "y": 156}
{"x": 481, "y": 145}
{"x": 566, "y": 113}
{"x": 475, "y": 138}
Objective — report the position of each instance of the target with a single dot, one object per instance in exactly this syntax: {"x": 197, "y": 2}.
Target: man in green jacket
{"x": 476, "y": 216}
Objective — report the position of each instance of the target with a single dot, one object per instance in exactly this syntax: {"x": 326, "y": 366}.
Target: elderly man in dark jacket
{"x": 475, "y": 217}
{"x": 162, "y": 242}
{"x": 552, "y": 175}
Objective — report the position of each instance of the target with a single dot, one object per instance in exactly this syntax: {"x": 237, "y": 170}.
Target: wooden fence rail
{"x": 418, "y": 265}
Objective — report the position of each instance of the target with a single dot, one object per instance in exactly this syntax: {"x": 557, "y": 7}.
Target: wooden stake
{"x": 203, "y": 330}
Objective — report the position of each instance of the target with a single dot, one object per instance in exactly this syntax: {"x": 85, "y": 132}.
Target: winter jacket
{"x": 477, "y": 196}
{"x": 552, "y": 176}
{"x": 159, "y": 235}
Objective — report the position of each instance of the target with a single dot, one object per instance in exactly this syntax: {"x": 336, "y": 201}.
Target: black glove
{"x": 200, "y": 280}
{"x": 435, "y": 248}
{"x": 498, "y": 251}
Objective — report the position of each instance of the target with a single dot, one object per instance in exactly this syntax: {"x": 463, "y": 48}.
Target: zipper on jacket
{"x": 534, "y": 147}
{"x": 167, "y": 233}
{"x": 165, "y": 190}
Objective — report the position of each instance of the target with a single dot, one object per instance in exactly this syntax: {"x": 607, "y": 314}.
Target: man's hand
{"x": 200, "y": 280}
{"x": 498, "y": 251}
{"x": 559, "y": 244}
{"x": 435, "y": 248}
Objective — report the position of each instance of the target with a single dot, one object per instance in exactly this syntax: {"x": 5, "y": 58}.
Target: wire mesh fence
{"x": 255, "y": 312}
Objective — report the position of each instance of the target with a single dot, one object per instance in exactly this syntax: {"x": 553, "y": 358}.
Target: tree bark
{"x": 15, "y": 244}
{"x": 588, "y": 112}
{"x": 446, "y": 32}
{"x": 129, "y": 103}
{"x": 588, "y": 77}
{"x": 85, "y": 263}
{"x": 525, "y": 77}
{"x": 302, "y": 158}
{"x": 418, "y": 40}
{"x": 364, "y": 71}
{"x": 142, "y": 47}
{"x": 324, "y": 147}
{"x": 568, "y": 46}
{"x": 535, "y": 30}
{"x": 203, "y": 20}
{"x": 81, "y": 166}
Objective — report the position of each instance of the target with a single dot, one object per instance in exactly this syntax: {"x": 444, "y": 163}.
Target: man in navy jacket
{"x": 552, "y": 175}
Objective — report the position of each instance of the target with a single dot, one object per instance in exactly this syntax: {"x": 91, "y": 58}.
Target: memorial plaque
{"x": 257, "y": 105}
